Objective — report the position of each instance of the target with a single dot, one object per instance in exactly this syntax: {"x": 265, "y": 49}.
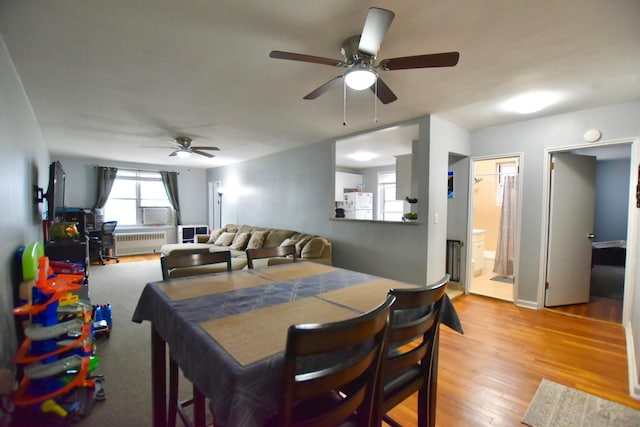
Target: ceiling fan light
{"x": 183, "y": 154}
{"x": 360, "y": 79}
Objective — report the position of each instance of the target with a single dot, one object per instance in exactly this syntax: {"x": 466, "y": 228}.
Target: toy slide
{"x": 80, "y": 380}
{"x": 39, "y": 333}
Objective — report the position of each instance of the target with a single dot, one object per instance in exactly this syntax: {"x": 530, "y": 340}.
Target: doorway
{"x": 495, "y": 205}
{"x": 596, "y": 286}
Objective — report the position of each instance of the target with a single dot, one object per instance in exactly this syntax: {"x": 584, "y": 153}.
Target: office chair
{"x": 102, "y": 244}
{"x": 330, "y": 371}
{"x": 276, "y": 251}
{"x": 411, "y": 363}
{"x": 188, "y": 263}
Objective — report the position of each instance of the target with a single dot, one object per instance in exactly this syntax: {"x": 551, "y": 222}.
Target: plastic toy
{"x": 56, "y": 355}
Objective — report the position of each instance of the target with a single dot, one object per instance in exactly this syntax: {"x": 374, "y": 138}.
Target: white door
{"x": 571, "y": 217}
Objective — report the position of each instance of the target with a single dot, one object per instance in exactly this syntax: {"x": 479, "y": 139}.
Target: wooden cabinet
{"x": 477, "y": 252}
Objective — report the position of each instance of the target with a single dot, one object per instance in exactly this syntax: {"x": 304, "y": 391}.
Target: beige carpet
{"x": 555, "y": 405}
{"x": 125, "y": 357}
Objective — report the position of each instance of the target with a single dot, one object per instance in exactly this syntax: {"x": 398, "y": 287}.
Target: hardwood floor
{"x": 601, "y": 308}
{"x": 488, "y": 376}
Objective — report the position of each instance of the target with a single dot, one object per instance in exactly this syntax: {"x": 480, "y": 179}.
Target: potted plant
{"x": 410, "y": 216}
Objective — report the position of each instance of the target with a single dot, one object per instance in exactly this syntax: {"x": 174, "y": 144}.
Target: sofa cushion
{"x": 257, "y": 239}
{"x": 301, "y": 240}
{"x": 240, "y": 241}
{"x": 225, "y": 239}
{"x": 287, "y": 242}
{"x": 214, "y": 235}
{"x": 314, "y": 248}
{"x": 276, "y": 237}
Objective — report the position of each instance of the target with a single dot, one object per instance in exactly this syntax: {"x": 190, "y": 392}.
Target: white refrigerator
{"x": 358, "y": 205}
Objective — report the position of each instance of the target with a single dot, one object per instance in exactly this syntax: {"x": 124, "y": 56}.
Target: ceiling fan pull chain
{"x": 344, "y": 103}
{"x": 375, "y": 104}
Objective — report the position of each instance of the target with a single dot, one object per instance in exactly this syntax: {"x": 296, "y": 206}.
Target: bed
{"x": 607, "y": 268}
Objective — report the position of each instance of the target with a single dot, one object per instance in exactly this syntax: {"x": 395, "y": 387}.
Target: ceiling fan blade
{"x": 202, "y": 153}
{"x": 205, "y": 148}
{"x": 322, "y": 89}
{"x": 446, "y": 59}
{"x": 375, "y": 27}
{"x": 175, "y": 153}
{"x": 385, "y": 94}
{"x": 277, "y": 54}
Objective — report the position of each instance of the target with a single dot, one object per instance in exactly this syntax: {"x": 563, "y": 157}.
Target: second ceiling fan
{"x": 360, "y": 59}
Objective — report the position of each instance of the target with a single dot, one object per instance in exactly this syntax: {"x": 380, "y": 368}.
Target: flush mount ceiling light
{"x": 360, "y": 78}
{"x": 363, "y": 156}
{"x": 530, "y": 102}
{"x": 183, "y": 154}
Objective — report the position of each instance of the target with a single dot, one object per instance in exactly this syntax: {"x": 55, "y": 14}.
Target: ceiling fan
{"x": 183, "y": 148}
{"x": 359, "y": 59}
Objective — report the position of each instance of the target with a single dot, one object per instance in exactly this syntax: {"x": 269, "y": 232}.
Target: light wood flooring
{"x": 488, "y": 376}
{"x": 600, "y": 308}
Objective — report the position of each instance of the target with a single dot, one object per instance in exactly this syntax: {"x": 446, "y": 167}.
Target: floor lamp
{"x": 220, "y": 193}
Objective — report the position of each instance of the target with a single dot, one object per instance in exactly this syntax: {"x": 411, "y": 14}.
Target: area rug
{"x": 502, "y": 279}
{"x": 556, "y": 405}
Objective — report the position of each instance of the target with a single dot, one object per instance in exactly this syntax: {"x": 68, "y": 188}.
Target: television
{"x": 55, "y": 192}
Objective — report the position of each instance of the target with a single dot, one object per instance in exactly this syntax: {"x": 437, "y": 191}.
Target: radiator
{"x": 139, "y": 243}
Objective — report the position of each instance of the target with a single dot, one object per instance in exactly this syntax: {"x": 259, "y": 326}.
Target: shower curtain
{"x": 505, "y": 251}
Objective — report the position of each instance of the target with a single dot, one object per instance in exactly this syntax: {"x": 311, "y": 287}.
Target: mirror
{"x": 373, "y": 174}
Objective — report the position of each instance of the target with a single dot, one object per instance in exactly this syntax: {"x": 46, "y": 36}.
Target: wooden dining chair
{"x": 411, "y": 364}
{"x": 276, "y": 251}
{"x": 177, "y": 407}
{"x": 171, "y": 262}
{"x": 323, "y": 361}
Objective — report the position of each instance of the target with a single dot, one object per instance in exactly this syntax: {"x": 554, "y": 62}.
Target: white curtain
{"x": 505, "y": 251}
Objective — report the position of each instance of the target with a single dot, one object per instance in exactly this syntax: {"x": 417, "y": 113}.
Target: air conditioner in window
{"x": 156, "y": 216}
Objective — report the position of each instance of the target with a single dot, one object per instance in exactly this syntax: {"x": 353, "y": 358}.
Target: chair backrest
{"x": 106, "y": 233}
{"x": 413, "y": 337}
{"x": 170, "y": 262}
{"x": 330, "y": 370}
{"x": 276, "y": 251}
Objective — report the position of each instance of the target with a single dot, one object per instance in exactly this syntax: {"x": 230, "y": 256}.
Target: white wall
{"x": 23, "y": 164}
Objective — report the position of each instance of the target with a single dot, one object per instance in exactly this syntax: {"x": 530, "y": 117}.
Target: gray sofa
{"x": 237, "y": 238}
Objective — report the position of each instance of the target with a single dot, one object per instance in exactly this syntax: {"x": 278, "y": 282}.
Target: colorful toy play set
{"x": 56, "y": 358}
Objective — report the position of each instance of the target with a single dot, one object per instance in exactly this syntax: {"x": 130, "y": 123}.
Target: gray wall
{"x": 24, "y": 163}
{"x": 612, "y": 200}
{"x": 295, "y": 189}
{"x": 81, "y": 186}
{"x": 532, "y": 137}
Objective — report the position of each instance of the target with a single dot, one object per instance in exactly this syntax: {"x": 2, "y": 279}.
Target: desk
{"x": 228, "y": 331}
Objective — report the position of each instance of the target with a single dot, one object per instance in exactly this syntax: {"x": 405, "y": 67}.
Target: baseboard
{"x": 634, "y": 375}
{"x": 533, "y": 305}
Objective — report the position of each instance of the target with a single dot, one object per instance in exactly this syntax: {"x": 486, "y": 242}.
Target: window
{"x": 132, "y": 191}
{"x": 389, "y": 209}
{"x": 503, "y": 169}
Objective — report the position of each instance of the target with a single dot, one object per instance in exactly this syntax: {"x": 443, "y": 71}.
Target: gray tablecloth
{"x": 240, "y": 395}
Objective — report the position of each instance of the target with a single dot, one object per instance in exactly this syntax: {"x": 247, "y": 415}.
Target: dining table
{"x": 227, "y": 331}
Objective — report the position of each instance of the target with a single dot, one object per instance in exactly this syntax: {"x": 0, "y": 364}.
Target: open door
{"x": 571, "y": 218}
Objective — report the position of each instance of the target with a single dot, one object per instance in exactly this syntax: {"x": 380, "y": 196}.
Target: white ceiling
{"x": 109, "y": 78}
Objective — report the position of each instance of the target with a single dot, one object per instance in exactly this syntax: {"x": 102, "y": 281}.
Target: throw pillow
{"x": 314, "y": 248}
{"x": 225, "y": 239}
{"x": 214, "y": 235}
{"x": 257, "y": 239}
{"x": 240, "y": 242}
{"x": 287, "y": 242}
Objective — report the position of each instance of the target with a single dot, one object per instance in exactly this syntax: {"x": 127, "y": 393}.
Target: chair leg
{"x": 173, "y": 393}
